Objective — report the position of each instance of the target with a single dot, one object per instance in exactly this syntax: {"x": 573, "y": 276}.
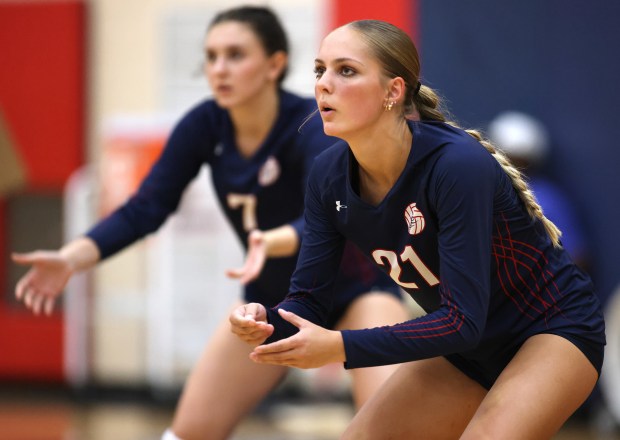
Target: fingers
{"x": 235, "y": 273}
{"x": 20, "y": 288}
{"x": 49, "y": 306}
{"x": 256, "y": 311}
{"x": 249, "y": 275}
{"x": 253, "y": 335}
{"x": 249, "y": 272}
{"x": 241, "y": 315}
{"x": 284, "y": 359}
{"x": 292, "y": 318}
{"x": 283, "y": 352}
{"x": 20, "y": 258}
{"x": 34, "y": 298}
{"x": 247, "y": 322}
{"x": 255, "y": 259}
{"x": 38, "y": 302}
{"x": 28, "y": 296}
{"x": 281, "y": 346}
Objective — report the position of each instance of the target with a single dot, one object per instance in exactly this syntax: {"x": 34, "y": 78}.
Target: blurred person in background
{"x": 525, "y": 140}
{"x": 250, "y": 136}
{"x": 512, "y": 341}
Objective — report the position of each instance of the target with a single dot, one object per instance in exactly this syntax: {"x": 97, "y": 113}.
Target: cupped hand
{"x": 313, "y": 346}
{"x": 44, "y": 282}
{"x": 249, "y": 323}
{"x": 254, "y": 260}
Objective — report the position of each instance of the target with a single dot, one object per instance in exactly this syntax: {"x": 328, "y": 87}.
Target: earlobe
{"x": 395, "y": 93}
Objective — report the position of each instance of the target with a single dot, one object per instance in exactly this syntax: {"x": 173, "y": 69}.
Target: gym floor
{"x": 33, "y": 414}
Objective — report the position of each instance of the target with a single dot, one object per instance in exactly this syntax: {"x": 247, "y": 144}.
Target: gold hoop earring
{"x": 388, "y": 106}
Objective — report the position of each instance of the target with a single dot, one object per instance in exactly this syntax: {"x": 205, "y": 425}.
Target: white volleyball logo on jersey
{"x": 269, "y": 172}
{"x": 415, "y": 219}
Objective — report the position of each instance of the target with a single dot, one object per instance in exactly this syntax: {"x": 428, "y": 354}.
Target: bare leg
{"x": 423, "y": 400}
{"x": 372, "y": 310}
{"x": 547, "y": 380}
{"x": 223, "y": 387}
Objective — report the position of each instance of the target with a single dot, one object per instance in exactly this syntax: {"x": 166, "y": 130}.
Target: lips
{"x": 223, "y": 89}
{"x": 325, "y": 108}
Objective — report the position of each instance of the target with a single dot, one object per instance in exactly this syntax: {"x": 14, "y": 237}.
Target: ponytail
{"x": 428, "y": 105}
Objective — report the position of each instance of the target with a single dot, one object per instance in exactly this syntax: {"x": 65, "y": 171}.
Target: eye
{"x": 347, "y": 71}
{"x": 235, "y": 54}
{"x": 318, "y": 71}
{"x": 210, "y": 56}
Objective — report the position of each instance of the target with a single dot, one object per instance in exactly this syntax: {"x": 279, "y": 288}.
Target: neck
{"x": 382, "y": 158}
{"x": 253, "y": 120}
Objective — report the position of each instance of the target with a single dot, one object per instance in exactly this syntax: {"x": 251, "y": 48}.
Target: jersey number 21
{"x": 382, "y": 257}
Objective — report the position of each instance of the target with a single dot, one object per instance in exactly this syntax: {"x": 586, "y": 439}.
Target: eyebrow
{"x": 339, "y": 60}
{"x": 225, "y": 47}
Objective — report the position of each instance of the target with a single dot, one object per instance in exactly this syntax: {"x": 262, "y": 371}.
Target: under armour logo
{"x": 338, "y": 205}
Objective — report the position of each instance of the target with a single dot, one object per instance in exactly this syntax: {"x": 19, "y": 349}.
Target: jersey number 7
{"x": 248, "y": 204}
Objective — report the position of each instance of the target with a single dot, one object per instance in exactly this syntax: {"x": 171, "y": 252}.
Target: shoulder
{"x": 199, "y": 129}
{"x": 455, "y": 150}
{"x": 458, "y": 163}
{"x": 331, "y": 163}
{"x": 203, "y": 115}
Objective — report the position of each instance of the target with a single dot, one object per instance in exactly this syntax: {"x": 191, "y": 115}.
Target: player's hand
{"x": 44, "y": 282}
{"x": 254, "y": 260}
{"x": 313, "y": 346}
{"x": 249, "y": 323}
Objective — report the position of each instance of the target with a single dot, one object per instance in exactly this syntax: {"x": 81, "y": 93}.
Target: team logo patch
{"x": 269, "y": 172}
{"x": 415, "y": 219}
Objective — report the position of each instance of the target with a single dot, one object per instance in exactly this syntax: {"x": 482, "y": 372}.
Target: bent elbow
{"x": 471, "y": 334}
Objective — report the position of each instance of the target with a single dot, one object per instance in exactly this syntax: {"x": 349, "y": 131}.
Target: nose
{"x": 216, "y": 65}
{"x": 323, "y": 83}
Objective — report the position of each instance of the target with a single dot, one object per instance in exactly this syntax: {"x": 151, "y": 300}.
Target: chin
{"x": 330, "y": 130}
{"x": 224, "y": 102}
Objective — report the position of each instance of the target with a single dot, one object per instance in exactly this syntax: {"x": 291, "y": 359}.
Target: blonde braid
{"x": 428, "y": 104}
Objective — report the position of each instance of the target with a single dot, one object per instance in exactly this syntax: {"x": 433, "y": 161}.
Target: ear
{"x": 277, "y": 63}
{"x": 396, "y": 90}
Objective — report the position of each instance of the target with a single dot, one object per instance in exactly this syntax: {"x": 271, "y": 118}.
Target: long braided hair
{"x": 399, "y": 57}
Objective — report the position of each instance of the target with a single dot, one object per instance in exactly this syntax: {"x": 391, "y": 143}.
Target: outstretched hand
{"x": 249, "y": 323}
{"x": 313, "y": 346}
{"x": 45, "y": 280}
{"x": 254, "y": 261}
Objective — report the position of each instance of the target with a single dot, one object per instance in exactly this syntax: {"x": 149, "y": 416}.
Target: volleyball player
{"x": 250, "y": 136}
{"x": 512, "y": 342}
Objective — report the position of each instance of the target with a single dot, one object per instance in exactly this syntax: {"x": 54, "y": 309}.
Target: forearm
{"x": 81, "y": 254}
{"x": 282, "y": 241}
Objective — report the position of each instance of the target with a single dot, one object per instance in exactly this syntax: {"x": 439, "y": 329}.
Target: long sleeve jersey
{"x": 453, "y": 233}
{"x": 269, "y": 186}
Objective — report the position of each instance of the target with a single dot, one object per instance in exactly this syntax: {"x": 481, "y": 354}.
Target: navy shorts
{"x": 581, "y": 322}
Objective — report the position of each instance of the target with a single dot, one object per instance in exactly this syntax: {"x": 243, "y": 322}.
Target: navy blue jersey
{"x": 454, "y": 234}
{"x": 263, "y": 191}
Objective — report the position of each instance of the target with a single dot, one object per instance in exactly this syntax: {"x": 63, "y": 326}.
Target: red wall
{"x": 42, "y": 86}
{"x": 42, "y": 92}
{"x": 401, "y": 13}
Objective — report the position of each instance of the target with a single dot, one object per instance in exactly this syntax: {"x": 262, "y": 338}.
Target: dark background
{"x": 558, "y": 60}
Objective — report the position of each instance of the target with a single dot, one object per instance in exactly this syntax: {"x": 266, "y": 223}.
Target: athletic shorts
{"x": 580, "y": 322}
